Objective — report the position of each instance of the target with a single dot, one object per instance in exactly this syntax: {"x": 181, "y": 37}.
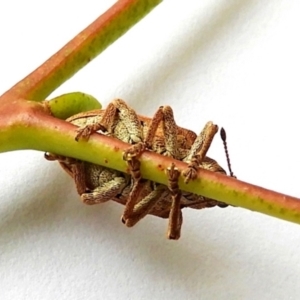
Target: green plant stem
{"x": 40, "y": 129}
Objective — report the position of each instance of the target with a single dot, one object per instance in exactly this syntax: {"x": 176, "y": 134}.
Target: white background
{"x": 234, "y": 62}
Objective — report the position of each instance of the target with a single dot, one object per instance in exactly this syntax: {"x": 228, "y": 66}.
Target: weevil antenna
{"x": 223, "y": 137}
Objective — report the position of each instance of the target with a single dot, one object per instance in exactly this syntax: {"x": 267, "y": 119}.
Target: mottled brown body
{"x": 97, "y": 184}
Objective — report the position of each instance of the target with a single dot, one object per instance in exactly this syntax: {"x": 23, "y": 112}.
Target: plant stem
{"x": 81, "y": 50}
{"x": 46, "y": 133}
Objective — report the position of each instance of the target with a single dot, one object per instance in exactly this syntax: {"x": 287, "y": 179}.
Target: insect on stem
{"x": 97, "y": 184}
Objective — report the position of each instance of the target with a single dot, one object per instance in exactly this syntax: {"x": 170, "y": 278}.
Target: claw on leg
{"x": 87, "y": 131}
{"x": 133, "y": 151}
{"x": 190, "y": 173}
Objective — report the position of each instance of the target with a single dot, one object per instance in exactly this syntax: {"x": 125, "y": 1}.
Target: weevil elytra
{"x": 97, "y": 184}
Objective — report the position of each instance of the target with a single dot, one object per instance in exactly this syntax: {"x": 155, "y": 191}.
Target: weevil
{"x": 98, "y": 184}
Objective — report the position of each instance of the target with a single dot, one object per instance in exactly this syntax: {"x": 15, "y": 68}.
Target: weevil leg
{"x": 99, "y": 188}
{"x": 104, "y": 125}
{"x": 165, "y": 116}
{"x": 130, "y": 156}
{"x": 175, "y": 222}
{"x": 73, "y": 167}
{"x": 134, "y": 210}
{"x": 175, "y": 216}
{"x": 104, "y": 193}
{"x": 77, "y": 169}
{"x": 78, "y": 174}
{"x": 61, "y": 159}
{"x": 134, "y": 167}
{"x": 169, "y": 136}
{"x": 130, "y": 121}
{"x": 198, "y": 150}
{"x": 170, "y": 133}
{"x": 137, "y": 149}
{"x": 144, "y": 207}
{"x": 165, "y": 137}
{"x": 153, "y": 126}
{"x": 117, "y": 112}
{"x": 173, "y": 141}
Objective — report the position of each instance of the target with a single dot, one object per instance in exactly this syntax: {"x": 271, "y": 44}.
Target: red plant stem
{"x": 80, "y": 50}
